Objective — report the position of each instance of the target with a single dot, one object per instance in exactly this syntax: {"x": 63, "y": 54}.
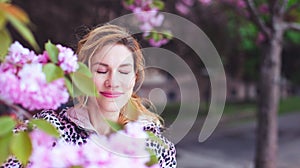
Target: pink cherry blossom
{"x": 59, "y": 157}
{"x": 148, "y": 16}
{"x": 158, "y": 43}
{"x": 43, "y": 58}
{"x": 36, "y": 93}
{"x": 40, "y": 138}
{"x": 39, "y": 157}
{"x": 41, "y": 144}
{"x": 30, "y": 81}
{"x": 95, "y": 153}
{"x": 146, "y": 27}
{"x": 144, "y": 16}
{"x": 9, "y": 85}
{"x": 263, "y": 8}
{"x": 130, "y": 146}
{"x": 17, "y": 54}
{"x": 128, "y": 7}
{"x": 188, "y": 2}
{"x": 5, "y": 66}
{"x": 205, "y": 2}
{"x": 241, "y": 4}
{"x": 67, "y": 59}
{"x": 260, "y": 38}
{"x": 135, "y": 130}
{"x": 23, "y": 82}
{"x": 157, "y": 20}
{"x": 181, "y": 8}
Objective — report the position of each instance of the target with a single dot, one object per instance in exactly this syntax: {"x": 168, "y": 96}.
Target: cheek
{"x": 98, "y": 82}
{"x": 128, "y": 83}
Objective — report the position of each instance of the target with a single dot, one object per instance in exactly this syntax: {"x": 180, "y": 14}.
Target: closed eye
{"x": 124, "y": 72}
{"x": 101, "y": 72}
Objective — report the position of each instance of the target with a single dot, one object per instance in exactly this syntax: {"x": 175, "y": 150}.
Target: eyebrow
{"x": 102, "y": 64}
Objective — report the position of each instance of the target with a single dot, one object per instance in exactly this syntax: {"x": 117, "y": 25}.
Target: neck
{"x": 98, "y": 117}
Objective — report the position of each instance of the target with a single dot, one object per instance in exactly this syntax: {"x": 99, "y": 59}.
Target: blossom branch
{"x": 293, "y": 26}
{"x": 274, "y": 6}
{"x": 257, "y": 20}
{"x": 18, "y": 110}
{"x": 283, "y": 8}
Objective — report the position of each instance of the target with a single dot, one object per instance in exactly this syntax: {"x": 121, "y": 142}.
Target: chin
{"x": 111, "y": 107}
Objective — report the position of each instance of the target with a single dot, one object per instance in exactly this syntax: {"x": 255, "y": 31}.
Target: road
{"x": 232, "y": 145}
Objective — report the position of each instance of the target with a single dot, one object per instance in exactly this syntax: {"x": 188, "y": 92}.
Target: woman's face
{"x": 114, "y": 76}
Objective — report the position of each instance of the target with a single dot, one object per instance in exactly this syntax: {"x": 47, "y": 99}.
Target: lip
{"x": 110, "y": 94}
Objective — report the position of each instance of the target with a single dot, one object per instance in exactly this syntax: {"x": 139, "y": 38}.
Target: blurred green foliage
{"x": 290, "y": 104}
{"x": 11, "y": 14}
{"x": 19, "y": 143}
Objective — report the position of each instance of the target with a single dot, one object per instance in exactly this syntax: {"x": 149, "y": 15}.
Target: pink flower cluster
{"x": 23, "y": 82}
{"x": 100, "y": 151}
{"x": 158, "y": 43}
{"x": 183, "y": 6}
{"x": 149, "y": 17}
{"x": 67, "y": 60}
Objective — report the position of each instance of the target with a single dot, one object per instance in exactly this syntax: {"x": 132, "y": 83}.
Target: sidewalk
{"x": 232, "y": 145}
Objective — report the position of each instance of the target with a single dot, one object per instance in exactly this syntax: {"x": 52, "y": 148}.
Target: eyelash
{"x": 125, "y": 73}
{"x": 104, "y": 72}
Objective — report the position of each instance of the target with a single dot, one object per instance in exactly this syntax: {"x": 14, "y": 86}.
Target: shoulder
{"x": 162, "y": 147}
{"x": 56, "y": 118}
{"x": 69, "y": 131}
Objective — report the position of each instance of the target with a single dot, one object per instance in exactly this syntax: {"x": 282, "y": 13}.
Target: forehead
{"x": 113, "y": 55}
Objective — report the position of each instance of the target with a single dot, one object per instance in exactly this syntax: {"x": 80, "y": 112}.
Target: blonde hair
{"x": 112, "y": 34}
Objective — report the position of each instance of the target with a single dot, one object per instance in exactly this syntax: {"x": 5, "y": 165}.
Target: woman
{"x": 116, "y": 62}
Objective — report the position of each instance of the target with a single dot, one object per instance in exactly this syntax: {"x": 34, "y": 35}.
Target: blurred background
{"x": 240, "y": 46}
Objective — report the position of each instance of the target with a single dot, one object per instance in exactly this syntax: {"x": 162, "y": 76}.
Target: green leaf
{"x": 159, "y": 4}
{"x": 52, "y": 51}
{"x": 293, "y": 36}
{"x": 77, "y": 92}
{"x": 153, "y": 137}
{"x": 114, "y": 125}
{"x": 129, "y": 2}
{"x": 248, "y": 33}
{"x": 23, "y": 30}
{"x": 52, "y": 72}
{"x": 84, "y": 69}
{"x": 73, "y": 90}
{"x": 2, "y": 20}
{"x": 7, "y": 124}
{"x": 45, "y": 126}
{"x": 5, "y": 1}
{"x": 21, "y": 147}
{"x": 4, "y": 146}
{"x": 248, "y": 44}
{"x": 155, "y": 36}
{"x": 168, "y": 35}
{"x": 69, "y": 86}
{"x": 84, "y": 83}
{"x": 5, "y": 41}
{"x": 76, "y": 167}
{"x": 291, "y": 2}
{"x": 153, "y": 159}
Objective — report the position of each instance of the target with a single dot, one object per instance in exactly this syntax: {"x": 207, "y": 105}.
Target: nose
{"x": 112, "y": 81}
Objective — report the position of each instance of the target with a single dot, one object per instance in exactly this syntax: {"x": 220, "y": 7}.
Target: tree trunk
{"x": 269, "y": 95}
